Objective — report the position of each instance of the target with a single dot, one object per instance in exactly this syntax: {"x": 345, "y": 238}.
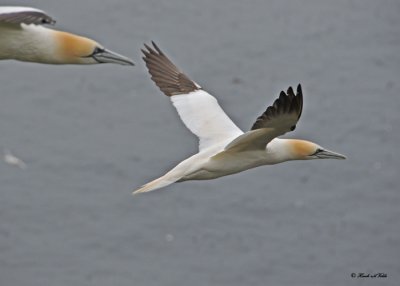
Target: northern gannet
{"x": 224, "y": 149}
{"x": 23, "y": 37}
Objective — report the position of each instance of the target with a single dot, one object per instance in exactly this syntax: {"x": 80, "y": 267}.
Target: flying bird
{"x": 224, "y": 149}
{"x": 24, "y": 38}
{"x": 11, "y": 159}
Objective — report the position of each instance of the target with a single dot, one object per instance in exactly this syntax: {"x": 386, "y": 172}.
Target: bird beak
{"x": 326, "y": 154}
{"x": 108, "y": 56}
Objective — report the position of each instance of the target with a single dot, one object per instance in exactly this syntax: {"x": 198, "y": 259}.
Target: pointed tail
{"x": 154, "y": 185}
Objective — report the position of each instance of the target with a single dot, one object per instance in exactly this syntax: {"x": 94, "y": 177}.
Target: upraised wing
{"x": 199, "y": 110}
{"x": 25, "y": 15}
{"x": 278, "y": 119}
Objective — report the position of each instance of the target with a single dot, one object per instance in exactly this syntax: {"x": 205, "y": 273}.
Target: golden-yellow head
{"x": 306, "y": 150}
{"x": 74, "y": 49}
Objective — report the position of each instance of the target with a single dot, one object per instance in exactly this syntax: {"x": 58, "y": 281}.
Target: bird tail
{"x": 155, "y": 184}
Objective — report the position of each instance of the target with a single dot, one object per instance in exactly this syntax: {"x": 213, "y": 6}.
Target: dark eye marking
{"x": 98, "y": 50}
{"x": 319, "y": 150}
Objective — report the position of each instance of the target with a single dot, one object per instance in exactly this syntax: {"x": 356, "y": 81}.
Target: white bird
{"x": 24, "y": 38}
{"x": 223, "y": 148}
{"x": 10, "y": 159}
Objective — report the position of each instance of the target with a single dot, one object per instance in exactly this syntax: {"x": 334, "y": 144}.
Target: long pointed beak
{"x": 108, "y": 56}
{"x": 326, "y": 154}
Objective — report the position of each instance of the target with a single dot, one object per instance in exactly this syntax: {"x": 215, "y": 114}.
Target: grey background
{"x": 91, "y": 134}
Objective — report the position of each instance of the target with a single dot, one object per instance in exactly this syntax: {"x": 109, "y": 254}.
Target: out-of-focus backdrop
{"x": 91, "y": 134}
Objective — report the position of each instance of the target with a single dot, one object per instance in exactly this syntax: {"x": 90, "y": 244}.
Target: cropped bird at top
{"x": 223, "y": 148}
{"x": 24, "y": 38}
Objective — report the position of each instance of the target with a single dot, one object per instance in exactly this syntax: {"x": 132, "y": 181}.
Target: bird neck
{"x": 34, "y": 43}
{"x": 30, "y": 43}
{"x": 288, "y": 149}
{"x": 299, "y": 149}
{"x": 74, "y": 48}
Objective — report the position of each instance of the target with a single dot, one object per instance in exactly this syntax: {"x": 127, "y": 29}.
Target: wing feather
{"x": 26, "y": 15}
{"x": 278, "y": 119}
{"x": 198, "y": 109}
{"x": 284, "y": 112}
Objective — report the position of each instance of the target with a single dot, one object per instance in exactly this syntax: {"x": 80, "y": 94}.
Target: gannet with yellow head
{"x": 224, "y": 149}
{"x": 23, "y": 37}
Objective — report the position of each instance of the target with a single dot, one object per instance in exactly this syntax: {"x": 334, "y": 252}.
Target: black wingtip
{"x": 299, "y": 90}
{"x": 164, "y": 73}
{"x": 299, "y": 96}
{"x": 290, "y": 91}
{"x": 146, "y": 53}
{"x": 157, "y": 48}
{"x": 48, "y": 21}
{"x": 149, "y": 49}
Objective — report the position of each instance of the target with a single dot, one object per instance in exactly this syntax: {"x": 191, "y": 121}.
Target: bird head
{"x": 74, "y": 49}
{"x": 306, "y": 150}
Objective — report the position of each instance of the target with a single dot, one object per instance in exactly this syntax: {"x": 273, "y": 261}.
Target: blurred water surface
{"x": 90, "y": 135}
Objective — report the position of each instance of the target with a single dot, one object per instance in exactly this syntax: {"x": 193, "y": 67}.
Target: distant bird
{"x": 10, "y": 159}
{"x": 224, "y": 149}
{"x": 23, "y": 38}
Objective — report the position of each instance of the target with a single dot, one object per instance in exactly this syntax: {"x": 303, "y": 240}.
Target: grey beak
{"x": 108, "y": 56}
{"x": 326, "y": 154}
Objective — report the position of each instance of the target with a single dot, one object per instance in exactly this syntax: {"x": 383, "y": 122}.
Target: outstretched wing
{"x": 279, "y": 118}
{"x": 199, "y": 110}
{"x": 26, "y": 15}
{"x": 284, "y": 113}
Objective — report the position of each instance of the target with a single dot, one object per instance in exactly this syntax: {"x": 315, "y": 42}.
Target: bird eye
{"x": 319, "y": 150}
{"x": 98, "y": 50}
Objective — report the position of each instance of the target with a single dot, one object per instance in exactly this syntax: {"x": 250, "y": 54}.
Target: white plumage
{"x": 23, "y": 37}
{"x": 11, "y": 159}
{"x": 211, "y": 129}
{"x": 224, "y": 149}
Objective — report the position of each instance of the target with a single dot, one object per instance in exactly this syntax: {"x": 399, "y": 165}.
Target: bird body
{"x": 10, "y": 159}
{"x": 224, "y": 149}
{"x": 24, "y": 38}
{"x": 30, "y": 43}
{"x": 216, "y": 161}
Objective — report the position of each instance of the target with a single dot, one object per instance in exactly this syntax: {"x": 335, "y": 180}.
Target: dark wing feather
{"x": 284, "y": 113}
{"x": 165, "y": 74}
{"x": 26, "y": 17}
{"x": 198, "y": 109}
{"x": 279, "y": 118}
